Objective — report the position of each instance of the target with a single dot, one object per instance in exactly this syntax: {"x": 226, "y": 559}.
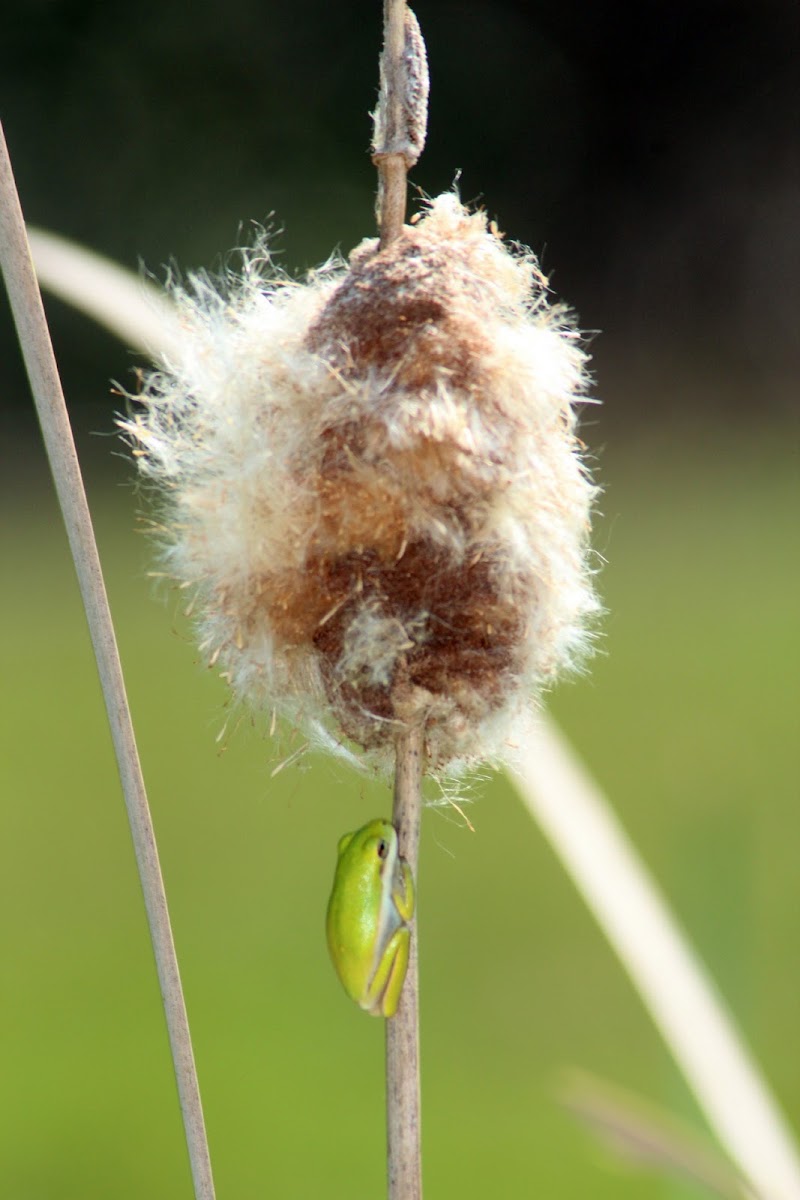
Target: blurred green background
{"x": 646, "y": 152}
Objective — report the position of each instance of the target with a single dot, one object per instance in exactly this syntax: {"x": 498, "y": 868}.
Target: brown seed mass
{"x": 376, "y": 489}
{"x": 403, "y": 310}
{"x": 464, "y": 628}
{"x": 468, "y": 637}
{"x": 412, "y": 315}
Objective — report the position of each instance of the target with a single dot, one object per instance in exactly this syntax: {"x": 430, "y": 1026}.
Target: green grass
{"x": 688, "y": 719}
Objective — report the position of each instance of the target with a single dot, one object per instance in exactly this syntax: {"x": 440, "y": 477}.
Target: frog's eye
{"x": 383, "y": 848}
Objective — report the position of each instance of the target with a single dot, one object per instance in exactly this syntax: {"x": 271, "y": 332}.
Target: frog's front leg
{"x": 403, "y": 891}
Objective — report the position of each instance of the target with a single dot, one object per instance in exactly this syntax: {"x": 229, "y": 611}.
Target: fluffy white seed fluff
{"x": 373, "y": 486}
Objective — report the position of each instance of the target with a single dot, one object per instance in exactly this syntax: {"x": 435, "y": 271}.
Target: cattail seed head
{"x": 374, "y": 487}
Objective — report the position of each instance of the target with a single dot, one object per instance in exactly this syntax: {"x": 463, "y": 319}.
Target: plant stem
{"x": 400, "y": 124}
{"x": 401, "y": 115}
{"x": 670, "y": 978}
{"x": 404, "y": 1162}
{"x": 29, "y": 317}
{"x": 135, "y": 310}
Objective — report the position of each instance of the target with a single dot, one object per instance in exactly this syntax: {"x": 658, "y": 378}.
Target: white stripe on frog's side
{"x": 390, "y": 920}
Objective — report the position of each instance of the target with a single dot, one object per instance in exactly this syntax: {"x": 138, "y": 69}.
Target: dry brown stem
{"x": 404, "y": 1162}
{"x": 34, "y": 338}
{"x": 401, "y": 116}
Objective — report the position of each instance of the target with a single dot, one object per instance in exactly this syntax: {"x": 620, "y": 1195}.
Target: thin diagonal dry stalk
{"x": 137, "y": 311}
{"x": 671, "y": 981}
{"x": 637, "y": 1132}
{"x": 34, "y": 338}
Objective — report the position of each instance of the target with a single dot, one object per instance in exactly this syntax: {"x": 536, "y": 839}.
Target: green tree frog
{"x": 369, "y": 911}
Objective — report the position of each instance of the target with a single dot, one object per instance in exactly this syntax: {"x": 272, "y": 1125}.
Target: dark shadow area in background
{"x": 648, "y": 153}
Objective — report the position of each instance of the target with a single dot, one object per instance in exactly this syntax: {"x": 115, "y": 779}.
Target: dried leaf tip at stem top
{"x": 400, "y": 120}
{"x": 374, "y": 485}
